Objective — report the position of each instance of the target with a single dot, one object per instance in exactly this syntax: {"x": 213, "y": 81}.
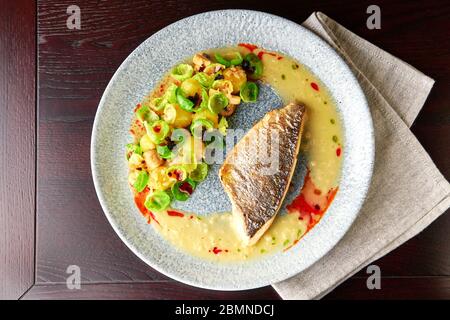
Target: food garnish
{"x": 174, "y": 127}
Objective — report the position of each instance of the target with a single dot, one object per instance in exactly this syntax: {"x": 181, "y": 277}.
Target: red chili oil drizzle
{"x": 305, "y": 210}
{"x": 314, "y": 86}
{"x": 338, "y": 151}
{"x": 175, "y": 213}
{"x": 139, "y": 200}
{"x": 261, "y": 53}
{"x": 249, "y": 46}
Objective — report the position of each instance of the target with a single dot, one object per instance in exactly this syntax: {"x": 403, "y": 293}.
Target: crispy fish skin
{"x": 256, "y": 196}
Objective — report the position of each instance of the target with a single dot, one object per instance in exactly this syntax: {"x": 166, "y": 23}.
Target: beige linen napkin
{"x": 407, "y": 192}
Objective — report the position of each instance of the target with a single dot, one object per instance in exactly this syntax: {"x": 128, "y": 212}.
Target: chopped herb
{"x": 273, "y": 243}
{"x": 238, "y": 250}
{"x": 325, "y": 102}
{"x": 332, "y": 121}
{"x": 263, "y": 251}
{"x": 273, "y": 238}
{"x": 199, "y": 218}
{"x": 286, "y": 242}
{"x": 335, "y": 139}
{"x": 299, "y": 232}
{"x": 283, "y": 76}
{"x": 295, "y": 66}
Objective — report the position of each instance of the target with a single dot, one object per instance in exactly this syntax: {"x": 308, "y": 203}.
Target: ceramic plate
{"x": 142, "y": 70}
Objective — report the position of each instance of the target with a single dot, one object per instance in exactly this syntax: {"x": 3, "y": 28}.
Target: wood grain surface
{"x": 354, "y": 288}
{"x": 17, "y": 141}
{"x": 155, "y": 290}
{"x": 74, "y": 68}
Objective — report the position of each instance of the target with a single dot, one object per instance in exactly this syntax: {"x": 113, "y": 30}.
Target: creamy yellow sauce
{"x": 214, "y": 237}
{"x": 317, "y": 140}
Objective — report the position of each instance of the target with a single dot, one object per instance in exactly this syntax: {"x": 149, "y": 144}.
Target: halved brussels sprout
{"x": 157, "y": 131}
{"x": 157, "y": 201}
{"x": 182, "y": 71}
{"x": 217, "y": 102}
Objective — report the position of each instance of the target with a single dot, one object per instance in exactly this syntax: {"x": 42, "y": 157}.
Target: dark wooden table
{"x": 50, "y": 215}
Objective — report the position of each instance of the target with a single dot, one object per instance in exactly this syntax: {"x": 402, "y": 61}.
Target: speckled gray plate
{"x": 142, "y": 70}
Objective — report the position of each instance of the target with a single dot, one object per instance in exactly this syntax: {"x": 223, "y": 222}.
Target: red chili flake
{"x": 177, "y": 174}
{"x": 279, "y": 58}
{"x": 157, "y": 129}
{"x": 249, "y": 46}
{"x": 191, "y": 217}
{"x": 317, "y": 207}
{"x": 317, "y": 192}
{"x": 260, "y": 54}
{"x": 315, "y": 86}
{"x": 186, "y": 187}
{"x": 175, "y": 213}
{"x": 338, "y": 152}
{"x": 216, "y": 250}
{"x": 138, "y": 106}
{"x": 132, "y": 131}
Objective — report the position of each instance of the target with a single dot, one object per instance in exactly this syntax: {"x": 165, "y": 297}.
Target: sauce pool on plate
{"x": 214, "y": 237}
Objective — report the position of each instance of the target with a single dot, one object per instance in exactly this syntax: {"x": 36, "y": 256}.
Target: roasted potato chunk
{"x": 237, "y": 76}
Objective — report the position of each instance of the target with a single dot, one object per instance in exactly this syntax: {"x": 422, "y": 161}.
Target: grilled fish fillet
{"x": 257, "y": 173}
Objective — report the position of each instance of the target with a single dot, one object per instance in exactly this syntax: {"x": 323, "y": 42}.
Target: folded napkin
{"x": 407, "y": 192}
